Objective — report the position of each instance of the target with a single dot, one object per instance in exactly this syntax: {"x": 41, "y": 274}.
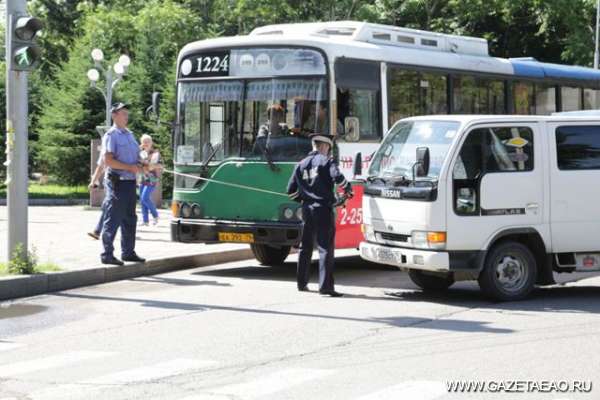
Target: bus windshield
{"x": 397, "y": 154}
{"x": 262, "y": 119}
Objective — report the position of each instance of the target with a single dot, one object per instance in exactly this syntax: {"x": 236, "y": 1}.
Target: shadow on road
{"x": 446, "y": 324}
{"x": 355, "y": 272}
{"x": 178, "y": 282}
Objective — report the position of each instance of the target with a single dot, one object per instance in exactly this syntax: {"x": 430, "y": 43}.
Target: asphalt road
{"x": 242, "y": 331}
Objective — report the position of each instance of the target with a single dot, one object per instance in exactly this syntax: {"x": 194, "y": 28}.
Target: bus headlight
{"x": 288, "y": 213}
{"x": 299, "y": 213}
{"x": 185, "y": 210}
{"x": 196, "y": 211}
{"x": 429, "y": 240}
{"x": 368, "y": 232}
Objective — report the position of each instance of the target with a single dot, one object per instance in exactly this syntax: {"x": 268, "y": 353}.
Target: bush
{"x": 22, "y": 261}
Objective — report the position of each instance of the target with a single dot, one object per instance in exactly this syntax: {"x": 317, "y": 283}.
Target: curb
{"x": 32, "y": 285}
{"x": 53, "y": 202}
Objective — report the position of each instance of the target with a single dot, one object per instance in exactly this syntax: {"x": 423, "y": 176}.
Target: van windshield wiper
{"x": 371, "y": 179}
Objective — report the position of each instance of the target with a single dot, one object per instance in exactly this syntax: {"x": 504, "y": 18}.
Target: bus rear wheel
{"x": 270, "y": 255}
{"x": 429, "y": 281}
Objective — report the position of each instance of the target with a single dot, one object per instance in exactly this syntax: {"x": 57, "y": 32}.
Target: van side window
{"x": 509, "y": 149}
{"x": 489, "y": 150}
{"x": 467, "y": 170}
{"x": 578, "y": 147}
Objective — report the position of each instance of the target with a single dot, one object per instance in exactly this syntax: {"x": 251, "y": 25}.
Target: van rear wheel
{"x": 509, "y": 272}
{"x": 430, "y": 281}
{"x": 270, "y": 255}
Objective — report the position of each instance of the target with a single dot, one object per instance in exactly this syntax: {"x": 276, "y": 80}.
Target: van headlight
{"x": 368, "y": 232}
{"x": 429, "y": 240}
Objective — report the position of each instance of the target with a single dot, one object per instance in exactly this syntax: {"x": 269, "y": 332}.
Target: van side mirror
{"x": 422, "y": 163}
{"x": 357, "y": 165}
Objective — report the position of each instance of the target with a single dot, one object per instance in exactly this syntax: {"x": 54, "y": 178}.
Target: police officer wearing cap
{"x": 312, "y": 184}
{"x": 121, "y": 157}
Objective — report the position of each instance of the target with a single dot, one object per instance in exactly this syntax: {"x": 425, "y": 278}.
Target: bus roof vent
{"x": 337, "y": 31}
{"x": 382, "y": 35}
{"x": 412, "y": 38}
{"x": 275, "y": 32}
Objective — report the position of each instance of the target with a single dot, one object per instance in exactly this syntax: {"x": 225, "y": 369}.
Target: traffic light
{"x": 24, "y": 52}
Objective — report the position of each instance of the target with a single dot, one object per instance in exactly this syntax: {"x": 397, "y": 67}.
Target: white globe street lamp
{"x": 93, "y": 75}
{"x": 124, "y": 60}
{"x": 113, "y": 74}
{"x": 119, "y": 69}
{"x": 97, "y": 55}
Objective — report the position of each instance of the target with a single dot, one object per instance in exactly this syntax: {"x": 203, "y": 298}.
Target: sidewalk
{"x": 59, "y": 235}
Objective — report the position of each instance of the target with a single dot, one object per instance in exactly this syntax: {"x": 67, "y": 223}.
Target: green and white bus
{"x": 349, "y": 79}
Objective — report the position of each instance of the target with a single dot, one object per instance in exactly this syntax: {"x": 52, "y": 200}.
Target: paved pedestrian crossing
{"x": 267, "y": 385}
{"x": 5, "y": 346}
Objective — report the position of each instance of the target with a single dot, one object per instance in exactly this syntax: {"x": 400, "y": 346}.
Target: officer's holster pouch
{"x": 114, "y": 178}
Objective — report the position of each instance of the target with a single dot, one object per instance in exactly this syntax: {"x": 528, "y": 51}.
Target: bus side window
{"x": 466, "y": 175}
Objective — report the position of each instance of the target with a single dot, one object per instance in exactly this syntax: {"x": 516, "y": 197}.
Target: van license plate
{"x": 236, "y": 237}
{"x": 385, "y": 255}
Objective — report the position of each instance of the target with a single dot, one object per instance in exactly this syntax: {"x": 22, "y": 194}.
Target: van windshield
{"x": 397, "y": 154}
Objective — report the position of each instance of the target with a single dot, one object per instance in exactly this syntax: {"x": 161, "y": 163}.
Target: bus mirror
{"x": 154, "y": 109}
{"x": 422, "y": 163}
{"x": 357, "y": 165}
{"x": 156, "y": 103}
{"x": 351, "y": 129}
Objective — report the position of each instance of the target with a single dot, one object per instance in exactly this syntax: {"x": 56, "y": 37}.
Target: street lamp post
{"x": 112, "y": 75}
{"x": 118, "y": 69}
{"x": 596, "y": 53}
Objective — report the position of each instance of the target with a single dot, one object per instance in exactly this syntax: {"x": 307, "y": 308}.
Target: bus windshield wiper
{"x": 265, "y": 151}
{"x": 212, "y": 155}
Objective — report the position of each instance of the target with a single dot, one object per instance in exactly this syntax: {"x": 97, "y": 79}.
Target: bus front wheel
{"x": 270, "y": 255}
{"x": 427, "y": 281}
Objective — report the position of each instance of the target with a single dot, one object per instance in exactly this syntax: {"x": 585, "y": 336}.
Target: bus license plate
{"x": 385, "y": 255}
{"x": 236, "y": 237}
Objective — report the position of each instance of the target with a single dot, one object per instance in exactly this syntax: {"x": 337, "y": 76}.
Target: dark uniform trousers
{"x": 319, "y": 222}
{"x": 119, "y": 206}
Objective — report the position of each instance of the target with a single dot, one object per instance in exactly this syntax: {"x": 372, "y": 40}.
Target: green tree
{"x": 71, "y": 108}
{"x": 152, "y": 36}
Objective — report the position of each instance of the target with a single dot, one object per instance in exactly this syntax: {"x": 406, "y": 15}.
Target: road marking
{"x": 146, "y": 373}
{"x": 39, "y": 364}
{"x": 153, "y": 372}
{"x": 5, "y": 346}
{"x": 413, "y": 390}
{"x": 262, "y": 386}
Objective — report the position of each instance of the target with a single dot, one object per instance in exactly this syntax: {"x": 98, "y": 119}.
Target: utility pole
{"x": 596, "y": 53}
{"x": 21, "y": 56}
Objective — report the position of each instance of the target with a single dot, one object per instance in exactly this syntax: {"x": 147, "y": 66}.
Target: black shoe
{"x": 94, "y": 235}
{"x": 134, "y": 258}
{"x": 331, "y": 293}
{"x": 112, "y": 261}
{"x": 303, "y": 288}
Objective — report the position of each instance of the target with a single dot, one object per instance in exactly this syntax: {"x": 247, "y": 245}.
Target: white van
{"x": 505, "y": 200}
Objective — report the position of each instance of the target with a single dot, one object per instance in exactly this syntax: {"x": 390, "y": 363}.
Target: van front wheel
{"x": 429, "y": 281}
{"x": 509, "y": 272}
